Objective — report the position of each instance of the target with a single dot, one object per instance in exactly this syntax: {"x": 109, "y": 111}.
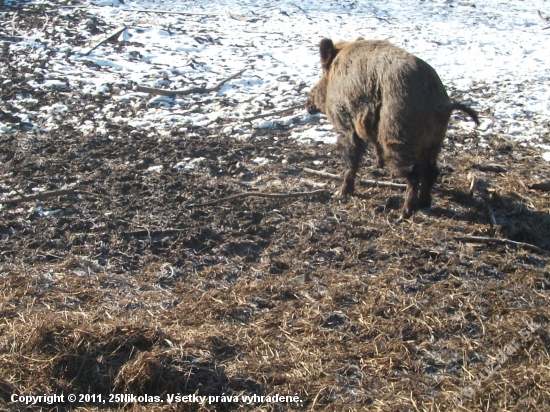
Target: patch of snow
{"x": 494, "y": 58}
{"x": 485, "y": 125}
{"x": 47, "y": 213}
{"x": 315, "y": 135}
{"x": 261, "y": 160}
{"x": 156, "y": 169}
{"x": 188, "y": 164}
{"x": 263, "y": 124}
{"x": 5, "y": 129}
{"x": 48, "y": 84}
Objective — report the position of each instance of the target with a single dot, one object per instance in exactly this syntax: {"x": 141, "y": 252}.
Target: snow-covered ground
{"x": 493, "y": 55}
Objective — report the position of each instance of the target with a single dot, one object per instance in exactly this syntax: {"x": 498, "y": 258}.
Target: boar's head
{"x": 311, "y": 105}
{"x": 317, "y": 97}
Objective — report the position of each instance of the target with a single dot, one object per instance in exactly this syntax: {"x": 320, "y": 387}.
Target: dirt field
{"x": 128, "y": 287}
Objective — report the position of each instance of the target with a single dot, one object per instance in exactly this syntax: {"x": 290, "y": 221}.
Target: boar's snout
{"x": 312, "y": 97}
{"x": 311, "y": 108}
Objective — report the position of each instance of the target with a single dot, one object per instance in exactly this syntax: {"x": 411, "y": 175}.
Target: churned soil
{"x": 129, "y": 285}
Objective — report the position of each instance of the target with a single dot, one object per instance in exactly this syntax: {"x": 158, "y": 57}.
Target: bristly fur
{"x": 373, "y": 91}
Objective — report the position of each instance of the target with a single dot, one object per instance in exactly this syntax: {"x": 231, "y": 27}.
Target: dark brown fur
{"x": 373, "y": 91}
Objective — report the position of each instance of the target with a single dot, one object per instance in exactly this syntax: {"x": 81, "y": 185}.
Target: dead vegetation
{"x": 128, "y": 290}
{"x": 331, "y": 300}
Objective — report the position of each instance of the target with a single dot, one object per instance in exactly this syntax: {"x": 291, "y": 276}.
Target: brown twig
{"x": 102, "y": 39}
{"x": 259, "y": 194}
{"x": 15, "y": 39}
{"x": 278, "y": 112}
{"x": 46, "y": 195}
{"x": 145, "y": 11}
{"x": 528, "y": 31}
{"x": 364, "y": 182}
{"x": 150, "y": 233}
{"x": 489, "y": 240}
{"x": 172, "y": 93}
{"x": 38, "y": 196}
{"x": 490, "y": 168}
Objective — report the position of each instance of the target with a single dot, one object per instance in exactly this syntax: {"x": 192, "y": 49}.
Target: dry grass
{"x": 342, "y": 306}
{"x": 131, "y": 291}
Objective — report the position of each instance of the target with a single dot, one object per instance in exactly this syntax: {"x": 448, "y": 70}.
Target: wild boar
{"x": 373, "y": 91}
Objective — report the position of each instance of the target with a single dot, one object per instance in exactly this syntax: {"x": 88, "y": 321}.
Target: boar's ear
{"x": 327, "y": 51}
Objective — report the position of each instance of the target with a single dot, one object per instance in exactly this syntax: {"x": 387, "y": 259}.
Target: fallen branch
{"x": 171, "y": 12}
{"x": 259, "y": 194}
{"x": 158, "y": 233}
{"x": 364, "y": 182}
{"x": 528, "y": 31}
{"x": 144, "y": 10}
{"x": 38, "y": 196}
{"x": 46, "y": 195}
{"x": 490, "y": 168}
{"x": 490, "y": 240}
{"x": 249, "y": 19}
{"x": 260, "y": 116}
{"x": 172, "y": 93}
{"x": 102, "y": 39}
{"x": 16, "y": 39}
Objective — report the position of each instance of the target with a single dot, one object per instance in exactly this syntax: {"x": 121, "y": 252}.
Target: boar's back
{"x": 375, "y": 84}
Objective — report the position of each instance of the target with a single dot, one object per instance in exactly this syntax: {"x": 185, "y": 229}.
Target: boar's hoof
{"x": 425, "y": 202}
{"x": 407, "y": 211}
{"x": 344, "y": 191}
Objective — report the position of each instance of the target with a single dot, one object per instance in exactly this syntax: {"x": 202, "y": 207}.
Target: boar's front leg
{"x": 352, "y": 148}
{"x": 427, "y": 180}
{"x": 411, "y": 196}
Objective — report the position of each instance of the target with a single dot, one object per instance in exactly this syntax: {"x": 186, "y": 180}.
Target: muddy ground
{"x": 127, "y": 286}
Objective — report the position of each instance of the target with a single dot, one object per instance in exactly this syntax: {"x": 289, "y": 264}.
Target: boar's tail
{"x": 470, "y": 112}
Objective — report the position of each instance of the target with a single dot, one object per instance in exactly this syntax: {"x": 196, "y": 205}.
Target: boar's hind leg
{"x": 411, "y": 196}
{"x": 427, "y": 180}
{"x": 352, "y": 149}
{"x": 379, "y": 154}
